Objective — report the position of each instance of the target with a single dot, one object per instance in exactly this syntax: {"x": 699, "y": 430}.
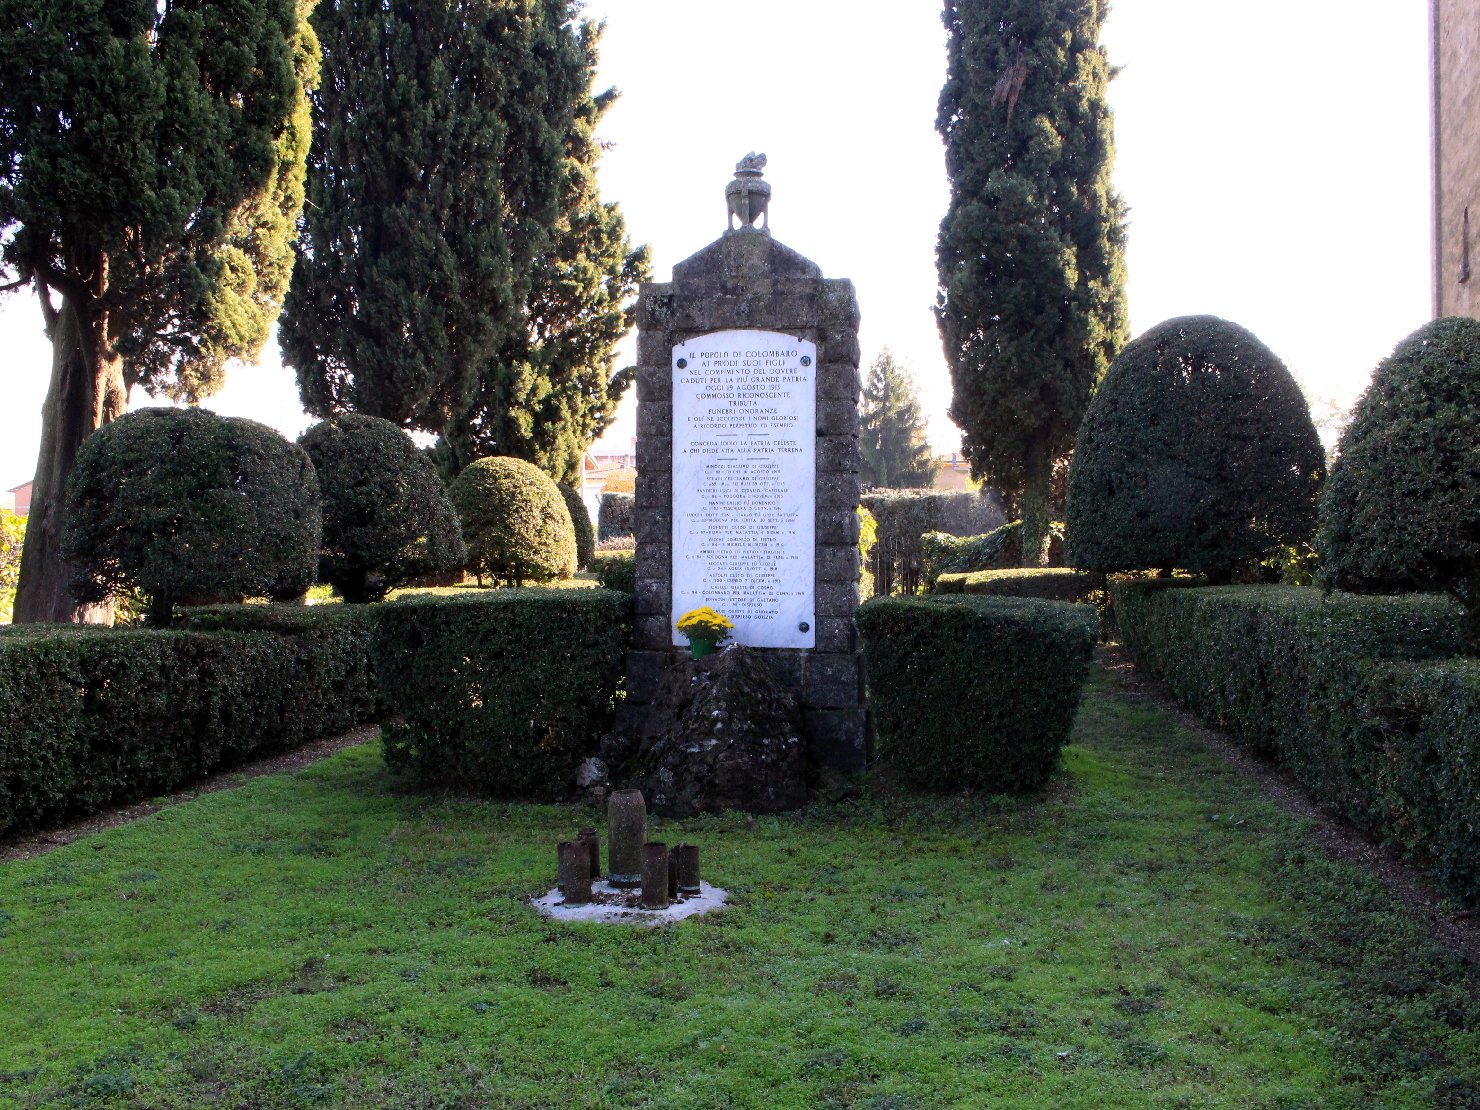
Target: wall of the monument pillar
{"x": 747, "y": 281}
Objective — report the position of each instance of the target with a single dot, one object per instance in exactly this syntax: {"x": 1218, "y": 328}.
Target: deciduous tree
{"x": 151, "y": 170}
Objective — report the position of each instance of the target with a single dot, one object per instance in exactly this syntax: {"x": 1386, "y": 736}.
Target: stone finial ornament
{"x": 747, "y": 196}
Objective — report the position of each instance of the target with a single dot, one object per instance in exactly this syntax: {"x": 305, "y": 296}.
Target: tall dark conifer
{"x": 151, "y": 170}
{"x": 550, "y": 390}
{"x": 1031, "y": 252}
{"x": 438, "y": 137}
{"x": 891, "y": 435}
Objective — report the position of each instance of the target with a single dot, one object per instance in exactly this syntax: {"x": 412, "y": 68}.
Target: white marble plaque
{"x": 745, "y": 484}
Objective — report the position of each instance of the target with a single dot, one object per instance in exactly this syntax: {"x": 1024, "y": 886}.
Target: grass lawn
{"x": 1150, "y": 932}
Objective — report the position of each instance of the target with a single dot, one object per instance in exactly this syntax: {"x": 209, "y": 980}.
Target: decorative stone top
{"x": 747, "y": 196}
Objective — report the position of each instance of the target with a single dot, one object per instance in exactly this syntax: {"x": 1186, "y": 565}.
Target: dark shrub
{"x": 616, "y": 570}
{"x": 183, "y": 504}
{"x": 903, "y": 516}
{"x": 97, "y": 717}
{"x": 974, "y": 692}
{"x": 387, "y": 518}
{"x": 514, "y": 522}
{"x": 942, "y": 553}
{"x": 1197, "y": 452}
{"x": 505, "y": 693}
{"x": 580, "y": 517}
{"x": 614, "y": 518}
{"x": 1402, "y": 508}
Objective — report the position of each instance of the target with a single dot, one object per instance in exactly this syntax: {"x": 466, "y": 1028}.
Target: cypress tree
{"x": 153, "y": 169}
{"x": 1031, "y": 305}
{"x": 415, "y": 255}
{"x": 550, "y": 391}
{"x": 891, "y": 435}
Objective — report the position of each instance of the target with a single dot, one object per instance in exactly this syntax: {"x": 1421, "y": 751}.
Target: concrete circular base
{"x": 615, "y": 906}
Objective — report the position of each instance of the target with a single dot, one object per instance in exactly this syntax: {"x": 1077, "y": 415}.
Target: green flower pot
{"x": 700, "y": 646}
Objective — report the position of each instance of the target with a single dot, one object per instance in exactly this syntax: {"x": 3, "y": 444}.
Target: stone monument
{"x": 747, "y": 469}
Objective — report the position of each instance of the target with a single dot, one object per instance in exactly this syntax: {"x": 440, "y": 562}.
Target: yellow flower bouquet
{"x": 704, "y": 628}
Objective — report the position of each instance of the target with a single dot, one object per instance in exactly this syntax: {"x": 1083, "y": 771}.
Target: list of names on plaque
{"x": 744, "y": 484}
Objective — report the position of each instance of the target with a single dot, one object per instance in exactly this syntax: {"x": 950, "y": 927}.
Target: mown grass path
{"x": 1149, "y": 932}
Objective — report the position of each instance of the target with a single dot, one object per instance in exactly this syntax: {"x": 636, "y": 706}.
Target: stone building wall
{"x": 1455, "y": 29}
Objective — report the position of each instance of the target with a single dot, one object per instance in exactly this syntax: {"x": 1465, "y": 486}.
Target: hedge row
{"x": 974, "y": 692}
{"x": 505, "y": 694}
{"x": 500, "y": 693}
{"x": 97, "y": 717}
{"x": 1347, "y": 692}
{"x": 1051, "y": 583}
{"x": 1429, "y": 777}
{"x": 903, "y": 516}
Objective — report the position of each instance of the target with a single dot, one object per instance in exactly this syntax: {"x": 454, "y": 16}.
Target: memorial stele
{"x": 747, "y": 467}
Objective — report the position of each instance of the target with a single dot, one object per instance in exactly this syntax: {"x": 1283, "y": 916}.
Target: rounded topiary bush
{"x": 387, "y": 517}
{"x": 185, "y": 505}
{"x": 514, "y": 522}
{"x": 1402, "y": 508}
{"x": 1197, "y": 451}
{"x": 580, "y": 517}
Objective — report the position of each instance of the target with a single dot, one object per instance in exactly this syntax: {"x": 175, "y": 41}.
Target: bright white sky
{"x": 1274, "y": 154}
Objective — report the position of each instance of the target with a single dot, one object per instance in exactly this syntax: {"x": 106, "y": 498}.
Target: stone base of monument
{"x": 615, "y": 906}
{"x": 721, "y": 733}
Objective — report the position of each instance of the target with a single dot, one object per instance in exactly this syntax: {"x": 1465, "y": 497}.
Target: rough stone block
{"x": 837, "y": 599}
{"x": 654, "y": 306}
{"x": 655, "y": 383}
{"x": 655, "y": 558}
{"x": 837, "y": 634}
{"x": 837, "y": 526}
{"x": 788, "y": 667}
{"x": 653, "y": 525}
{"x": 837, "y": 491}
{"x": 840, "y": 380}
{"x": 837, "y": 739}
{"x": 837, "y": 669}
{"x": 657, "y": 490}
{"x": 652, "y": 633}
{"x": 654, "y": 418}
{"x": 838, "y": 303}
{"x": 837, "y": 563}
{"x": 654, "y": 348}
{"x": 839, "y": 345}
{"x": 644, "y": 668}
{"x": 838, "y": 455}
{"x": 654, "y": 455}
{"x": 836, "y": 416}
{"x": 652, "y": 597}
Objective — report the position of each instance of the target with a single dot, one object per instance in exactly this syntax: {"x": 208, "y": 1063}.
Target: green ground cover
{"x": 1148, "y": 932}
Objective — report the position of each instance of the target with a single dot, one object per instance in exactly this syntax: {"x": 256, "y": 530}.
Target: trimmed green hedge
{"x": 616, "y": 570}
{"x": 503, "y": 694}
{"x": 1051, "y": 583}
{"x": 92, "y": 717}
{"x": 974, "y": 692}
{"x": 327, "y": 650}
{"x": 1429, "y": 775}
{"x": 1302, "y": 677}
